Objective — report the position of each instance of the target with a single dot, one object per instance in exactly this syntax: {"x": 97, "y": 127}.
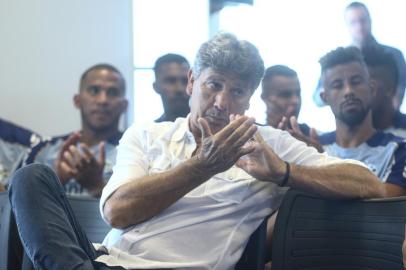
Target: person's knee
{"x": 30, "y": 178}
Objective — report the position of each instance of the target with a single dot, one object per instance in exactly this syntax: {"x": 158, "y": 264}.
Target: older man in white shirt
{"x": 188, "y": 194}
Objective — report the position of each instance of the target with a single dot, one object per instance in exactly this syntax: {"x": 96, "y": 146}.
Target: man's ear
{"x": 156, "y": 88}
{"x": 190, "y": 82}
{"x": 373, "y": 85}
{"x": 76, "y": 101}
{"x": 124, "y": 105}
{"x": 323, "y": 96}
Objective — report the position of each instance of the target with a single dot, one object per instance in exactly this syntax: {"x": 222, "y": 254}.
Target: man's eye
{"x": 214, "y": 85}
{"x": 113, "y": 92}
{"x": 93, "y": 90}
{"x": 238, "y": 92}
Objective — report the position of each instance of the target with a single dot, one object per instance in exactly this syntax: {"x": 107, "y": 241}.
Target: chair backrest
{"x": 87, "y": 213}
{"x": 5, "y": 216}
{"x": 314, "y": 233}
{"x": 253, "y": 257}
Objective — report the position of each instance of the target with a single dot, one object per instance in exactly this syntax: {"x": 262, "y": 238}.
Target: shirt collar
{"x": 183, "y": 129}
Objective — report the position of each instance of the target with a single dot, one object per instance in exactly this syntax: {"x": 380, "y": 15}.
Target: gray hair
{"x": 224, "y": 52}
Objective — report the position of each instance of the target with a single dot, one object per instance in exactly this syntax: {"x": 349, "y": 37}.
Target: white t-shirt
{"x": 209, "y": 227}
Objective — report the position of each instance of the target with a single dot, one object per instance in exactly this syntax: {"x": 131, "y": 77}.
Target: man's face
{"x": 215, "y": 95}
{"x": 348, "y": 92}
{"x": 101, "y": 99}
{"x": 170, "y": 83}
{"x": 358, "y": 23}
{"x": 281, "y": 96}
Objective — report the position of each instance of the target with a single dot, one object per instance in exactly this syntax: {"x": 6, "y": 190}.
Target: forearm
{"x": 143, "y": 198}
{"x": 340, "y": 181}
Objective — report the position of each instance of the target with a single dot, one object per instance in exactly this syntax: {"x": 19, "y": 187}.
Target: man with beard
{"x": 170, "y": 83}
{"x": 83, "y": 160}
{"x": 349, "y": 92}
{"x": 359, "y": 24}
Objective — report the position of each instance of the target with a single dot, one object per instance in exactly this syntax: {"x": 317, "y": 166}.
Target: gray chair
{"x": 315, "y": 233}
{"x": 87, "y": 213}
{"x": 5, "y": 219}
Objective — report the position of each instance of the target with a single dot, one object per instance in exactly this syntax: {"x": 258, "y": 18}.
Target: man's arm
{"x": 145, "y": 197}
{"x": 337, "y": 180}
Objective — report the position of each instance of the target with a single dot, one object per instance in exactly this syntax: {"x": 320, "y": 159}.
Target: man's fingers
{"x": 87, "y": 153}
{"x": 313, "y": 134}
{"x": 283, "y": 124}
{"x": 71, "y": 171}
{"x": 239, "y": 136}
{"x": 248, "y": 135}
{"x": 204, "y": 127}
{"x": 102, "y": 153}
{"x": 226, "y": 132}
{"x": 71, "y": 140}
{"x": 295, "y": 125}
{"x": 69, "y": 159}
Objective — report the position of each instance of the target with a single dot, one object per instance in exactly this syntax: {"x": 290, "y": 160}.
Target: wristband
{"x": 286, "y": 176}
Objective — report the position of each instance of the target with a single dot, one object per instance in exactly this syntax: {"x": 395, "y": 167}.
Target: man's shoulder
{"x": 381, "y": 138}
{"x": 13, "y": 133}
{"x": 153, "y": 130}
{"x": 50, "y": 144}
{"x": 327, "y": 138}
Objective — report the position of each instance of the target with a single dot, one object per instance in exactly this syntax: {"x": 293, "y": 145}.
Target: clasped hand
{"x": 239, "y": 143}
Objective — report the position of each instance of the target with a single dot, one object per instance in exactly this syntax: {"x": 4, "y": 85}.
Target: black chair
{"x": 313, "y": 233}
{"x": 253, "y": 257}
{"x": 5, "y": 221}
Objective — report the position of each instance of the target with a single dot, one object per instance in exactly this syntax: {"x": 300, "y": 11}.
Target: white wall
{"x": 45, "y": 45}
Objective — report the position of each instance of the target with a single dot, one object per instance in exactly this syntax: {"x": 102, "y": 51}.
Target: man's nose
{"x": 348, "y": 89}
{"x": 102, "y": 97}
{"x": 221, "y": 101}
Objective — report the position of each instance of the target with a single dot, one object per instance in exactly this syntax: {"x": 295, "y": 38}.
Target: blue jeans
{"x": 50, "y": 234}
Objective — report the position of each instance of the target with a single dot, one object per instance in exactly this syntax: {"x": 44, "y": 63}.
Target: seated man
{"x": 384, "y": 74}
{"x": 281, "y": 94}
{"x": 83, "y": 160}
{"x": 349, "y": 92}
{"x": 170, "y": 83}
{"x": 187, "y": 194}
{"x": 14, "y": 144}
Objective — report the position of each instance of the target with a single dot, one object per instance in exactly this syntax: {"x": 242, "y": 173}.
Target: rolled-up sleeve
{"x": 131, "y": 162}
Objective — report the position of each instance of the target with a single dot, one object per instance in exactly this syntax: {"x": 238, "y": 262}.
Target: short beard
{"x": 352, "y": 120}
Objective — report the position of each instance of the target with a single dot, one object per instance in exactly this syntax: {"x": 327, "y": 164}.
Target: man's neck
{"x": 384, "y": 118}
{"x": 353, "y": 136}
{"x": 273, "y": 121}
{"x": 362, "y": 43}
{"x": 91, "y": 137}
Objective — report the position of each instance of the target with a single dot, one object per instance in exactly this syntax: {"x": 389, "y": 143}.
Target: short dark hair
{"x": 169, "y": 58}
{"x": 339, "y": 56}
{"x": 98, "y": 67}
{"x": 358, "y": 5}
{"x": 377, "y": 57}
{"x": 278, "y": 70}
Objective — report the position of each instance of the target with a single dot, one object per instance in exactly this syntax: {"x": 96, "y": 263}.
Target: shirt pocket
{"x": 227, "y": 190}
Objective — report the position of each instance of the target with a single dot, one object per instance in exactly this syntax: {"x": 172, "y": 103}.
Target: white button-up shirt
{"x": 209, "y": 227}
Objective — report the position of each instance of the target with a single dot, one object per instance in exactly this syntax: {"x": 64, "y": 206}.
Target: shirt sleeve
{"x": 397, "y": 175}
{"x": 297, "y": 152}
{"x": 131, "y": 162}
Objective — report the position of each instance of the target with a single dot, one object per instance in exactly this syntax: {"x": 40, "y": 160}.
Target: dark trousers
{"x": 50, "y": 234}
